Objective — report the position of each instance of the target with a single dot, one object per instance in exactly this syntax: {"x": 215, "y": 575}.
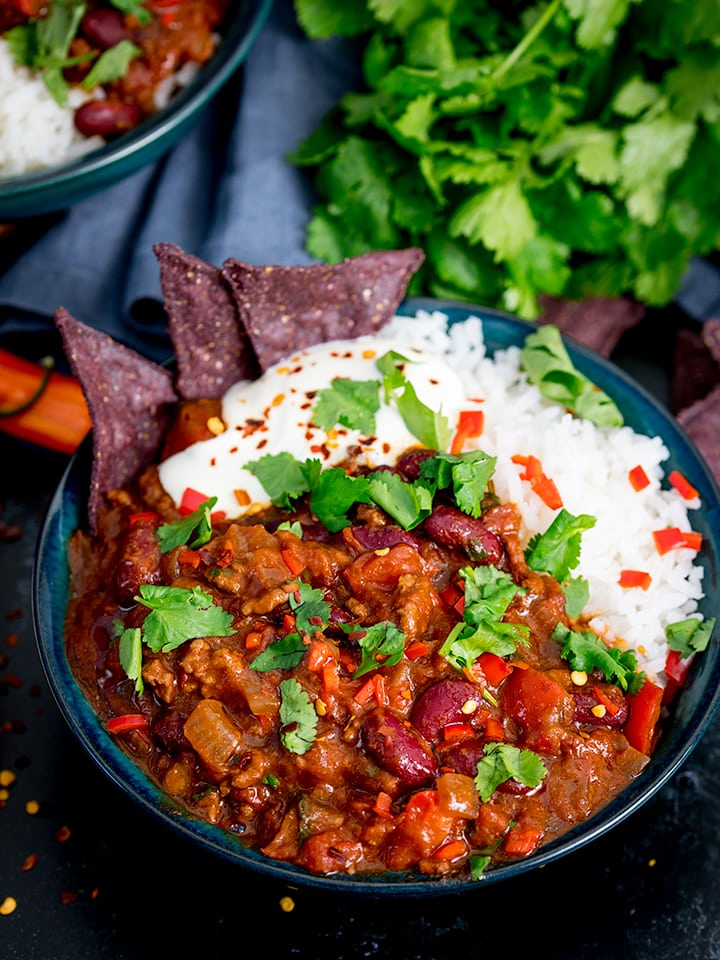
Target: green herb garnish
{"x": 488, "y": 594}
{"x": 502, "y": 762}
{"x": 382, "y": 645}
{"x": 297, "y": 718}
{"x": 557, "y": 550}
{"x": 548, "y": 365}
{"x": 282, "y": 654}
{"x": 350, "y": 403}
{"x": 112, "y": 64}
{"x": 689, "y": 636}
{"x": 177, "y": 615}
{"x": 196, "y": 528}
{"x": 585, "y": 651}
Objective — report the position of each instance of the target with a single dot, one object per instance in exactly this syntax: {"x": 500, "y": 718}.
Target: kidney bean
{"x": 378, "y": 538}
{"x": 586, "y": 701}
{"x": 104, "y": 28}
{"x": 464, "y": 755}
{"x": 453, "y": 528}
{"x": 106, "y": 118}
{"x": 398, "y": 748}
{"x": 410, "y": 462}
{"x": 140, "y": 561}
{"x": 441, "y": 704}
{"x": 167, "y": 728}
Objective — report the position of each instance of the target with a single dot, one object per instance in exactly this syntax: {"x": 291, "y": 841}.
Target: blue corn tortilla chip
{"x": 700, "y": 422}
{"x": 212, "y": 350}
{"x": 284, "y": 309}
{"x": 128, "y": 398}
{"x": 598, "y": 322}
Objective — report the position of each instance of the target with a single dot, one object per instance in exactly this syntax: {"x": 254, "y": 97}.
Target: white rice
{"x": 35, "y": 132}
{"x": 590, "y": 466}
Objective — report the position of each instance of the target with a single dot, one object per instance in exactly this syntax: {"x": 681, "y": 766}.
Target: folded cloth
{"x": 226, "y": 190}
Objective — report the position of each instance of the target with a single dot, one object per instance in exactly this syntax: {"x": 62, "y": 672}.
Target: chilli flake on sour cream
{"x": 365, "y": 400}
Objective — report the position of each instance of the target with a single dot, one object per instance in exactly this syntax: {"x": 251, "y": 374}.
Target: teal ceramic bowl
{"x": 58, "y": 188}
{"x": 693, "y": 709}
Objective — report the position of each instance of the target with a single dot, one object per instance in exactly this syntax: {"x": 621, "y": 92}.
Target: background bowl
{"x": 693, "y": 709}
{"x": 56, "y": 188}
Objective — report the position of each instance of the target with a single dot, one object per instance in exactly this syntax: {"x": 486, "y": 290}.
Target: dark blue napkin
{"x": 226, "y": 190}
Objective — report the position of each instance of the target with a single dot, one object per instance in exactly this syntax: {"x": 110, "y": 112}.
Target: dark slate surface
{"x": 121, "y": 887}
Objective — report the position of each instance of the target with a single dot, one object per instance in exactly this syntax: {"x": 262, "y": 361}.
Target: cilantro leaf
{"x": 585, "y": 651}
{"x": 197, "y": 524}
{"x": 557, "y": 550}
{"x": 577, "y": 592}
{"x": 548, "y": 365}
{"x": 430, "y": 427}
{"x": 333, "y": 493}
{"x": 135, "y": 8}
{"x": 298, "y": 718}
{"x": 689, "y": 636}
{"x": 178, "y": 614}
{"x": 469, "y": 474}
{"x": 408, "y": 503}
{"x": 112, "y": 64}
{"x": 312, "y": 611}
{"x": 282, "y": 654}
{"x": 466, "y": 642}
{"x": 130, "y": 655}
{"x": 351, "y": 403}
{"x": 382, "y": 645}
{"x": 502, "y": 762}
{"x": 282, "y": 477}
{"x": 478, "y": 864}
{"x": 488, "y": 594}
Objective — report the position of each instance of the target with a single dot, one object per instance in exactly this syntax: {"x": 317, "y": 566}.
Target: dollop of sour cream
{"x": 274, "y": 414}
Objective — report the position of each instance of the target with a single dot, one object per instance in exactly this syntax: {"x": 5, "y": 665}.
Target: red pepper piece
{"x": 638, "y": 478}
{"x": 494, "y": 668}
{"x": 644, "y": 715}
{"x": 635, "y": 578}
{"x": 683, "y": 486}
{"x": 191, "y": 500}
{"x": 127, "y": 722}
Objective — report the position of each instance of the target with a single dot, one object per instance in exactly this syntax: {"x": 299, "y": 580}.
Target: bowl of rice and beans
{"x": 413, "y": 595}
{"x": 90, "y": 90}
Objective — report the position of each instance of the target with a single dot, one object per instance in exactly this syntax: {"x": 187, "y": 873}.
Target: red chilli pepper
{"x": 672, "y": 538}
{"x": 294, "y": 565}
{"x": 638, "y": 478}
{"x": 191, "y": 500}
{"x": 635, "y": 578}
{"x": 494, "y": 668}
{"x": 540, "y": 483}
{"x": 127, "y": 722}
{"x": 416, "y": 649}
{"x": 470, "y": 424}
{"x": 645, "y": 707}
{"x": 148, "y": 516}
{"x": 683, "y": 486}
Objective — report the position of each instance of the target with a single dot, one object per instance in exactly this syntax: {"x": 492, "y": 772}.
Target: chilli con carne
{"x": 324, "y": 714}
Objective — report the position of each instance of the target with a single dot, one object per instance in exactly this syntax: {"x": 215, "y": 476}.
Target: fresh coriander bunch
{"x": 567, "y": 148}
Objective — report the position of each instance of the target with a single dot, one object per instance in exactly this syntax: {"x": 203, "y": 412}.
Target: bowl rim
{"x": 242, "y": 31}
{"x": 123, "y": 771}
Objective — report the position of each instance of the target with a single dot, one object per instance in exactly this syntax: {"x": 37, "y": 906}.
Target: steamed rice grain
{"x": 590, "y": 467}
